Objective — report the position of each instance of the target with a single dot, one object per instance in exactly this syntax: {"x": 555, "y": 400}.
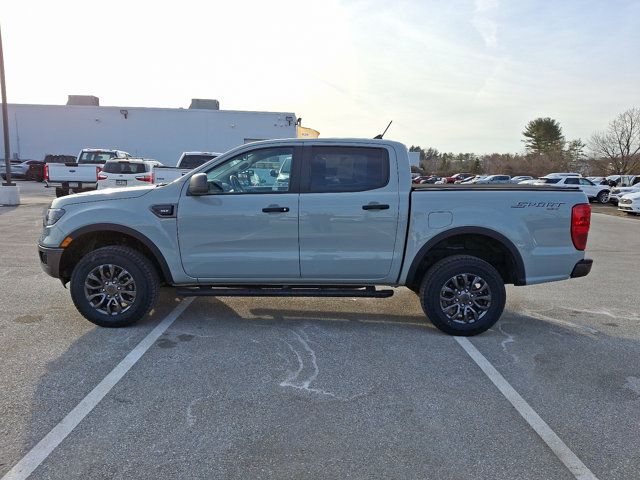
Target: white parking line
{"x": 43, "y": 449}
{"x": 548, "y": 436}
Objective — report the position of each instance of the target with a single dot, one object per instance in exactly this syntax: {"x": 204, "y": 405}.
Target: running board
{"x": 333, "y": 291}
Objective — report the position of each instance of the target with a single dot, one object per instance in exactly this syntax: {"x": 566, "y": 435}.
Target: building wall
{"x": 158, "y": 133}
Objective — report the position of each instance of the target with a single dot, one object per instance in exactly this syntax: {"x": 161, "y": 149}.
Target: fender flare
{"x": 114, "y": 227}
{"x": 520, "y": 274}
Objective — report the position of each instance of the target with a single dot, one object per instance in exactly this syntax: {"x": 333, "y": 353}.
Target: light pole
{"x": 5, "y": 120}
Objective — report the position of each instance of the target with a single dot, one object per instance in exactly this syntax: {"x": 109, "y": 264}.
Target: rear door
{"x": 349, "y": 205}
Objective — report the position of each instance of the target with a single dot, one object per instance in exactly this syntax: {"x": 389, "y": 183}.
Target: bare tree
{"x": 620, "y": 142}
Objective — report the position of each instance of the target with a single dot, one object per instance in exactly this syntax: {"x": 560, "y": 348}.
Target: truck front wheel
{"x": 114, "y": 286}
{"x": 462, "y": 295}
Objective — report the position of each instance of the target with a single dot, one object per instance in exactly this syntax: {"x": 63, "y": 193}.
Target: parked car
{"x": 27, "y": 170}
{"x": 347, "y": 222}
{"x": 590, "y": 189}
{"x": 521, "y": 178}
{"x": 430, "y": 180}
{"x": 617, "y": 192}
{"x": 457, "y": 176}
{"x": 83, "y": 174}
{"x": 187, "y": 162}
{"x": 472, "y": 179}
{"x": 130, "y": 172}
{"x": 532, "y": 181}
{"x": 493, "y": 180}
{"x": 630, "y": 203}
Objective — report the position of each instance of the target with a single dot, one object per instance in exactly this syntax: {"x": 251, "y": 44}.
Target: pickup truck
{"x": 187, "y": 162}
{"x": 349, "y": 224}
{"x": 81, "y": 175}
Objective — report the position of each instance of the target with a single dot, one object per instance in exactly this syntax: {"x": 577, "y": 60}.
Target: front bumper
{"x": 633, "y": 207}
{"x": 50, "y": 260}
{"x": 582, "y": 268}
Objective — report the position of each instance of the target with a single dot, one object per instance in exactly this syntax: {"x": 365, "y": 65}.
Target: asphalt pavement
{"x": 322, "y": 388}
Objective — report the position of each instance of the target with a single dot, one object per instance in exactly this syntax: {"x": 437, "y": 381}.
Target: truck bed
{"x": 503, "y": 187}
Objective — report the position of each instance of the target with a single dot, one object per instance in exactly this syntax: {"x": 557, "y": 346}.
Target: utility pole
{"x": 5, "y": 120}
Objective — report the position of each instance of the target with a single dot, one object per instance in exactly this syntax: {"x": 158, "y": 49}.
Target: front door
{"x": 246, "y": 228}
{"x": 348, "y": 214}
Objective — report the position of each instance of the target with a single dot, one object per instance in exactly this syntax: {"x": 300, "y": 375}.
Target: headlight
{"x": 52, "y": 215}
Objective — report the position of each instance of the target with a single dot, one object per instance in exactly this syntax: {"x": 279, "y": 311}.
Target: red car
{"x": 458, "y": 177}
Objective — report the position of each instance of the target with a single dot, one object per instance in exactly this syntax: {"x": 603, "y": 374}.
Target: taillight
{"x": 102, "y": 176}
{"x": 46, "y": 172}
{"x": 145, "y": 178}
{"x": 98, "y": 170}
{"x": 580, "y": 223}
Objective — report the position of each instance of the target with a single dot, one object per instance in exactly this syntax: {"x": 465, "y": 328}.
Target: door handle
{"x": 376, "y": 206}
{"x": 275, "y": 209}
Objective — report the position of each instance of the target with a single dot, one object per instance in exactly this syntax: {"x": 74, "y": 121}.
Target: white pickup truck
{"x": 187, "y": 162}
{"x": 81, "y": 175}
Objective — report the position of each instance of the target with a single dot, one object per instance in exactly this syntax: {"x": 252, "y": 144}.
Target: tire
{"x": 60, "y": 192}
{"x": 462, "y": 268}
{"x": 603, "y": 197}
{"x": 138, "y": 286}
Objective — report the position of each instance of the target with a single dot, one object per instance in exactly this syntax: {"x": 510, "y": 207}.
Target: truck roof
{"x": 201, "y": 153}
{"x": 101, "y": 150}
{"x": 327, "y": 141}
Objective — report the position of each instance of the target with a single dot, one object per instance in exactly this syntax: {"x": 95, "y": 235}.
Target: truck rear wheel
{"x": 114, "y": 286}
{"x": 61, "y": 192}
{"x": 462, "y": 295}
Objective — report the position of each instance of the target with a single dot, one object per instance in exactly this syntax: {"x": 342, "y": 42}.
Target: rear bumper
{"x": 582, "y": 268}
{"x": 50, "y": 260}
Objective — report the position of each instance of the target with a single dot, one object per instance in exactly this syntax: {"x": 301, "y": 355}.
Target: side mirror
{"x": 273, "y": 173}
{"x": 198, "y": 184}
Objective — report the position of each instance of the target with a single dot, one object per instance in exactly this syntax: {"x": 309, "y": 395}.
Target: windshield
{"x": 193, "y": 161}
{"x": 96, "y": 157}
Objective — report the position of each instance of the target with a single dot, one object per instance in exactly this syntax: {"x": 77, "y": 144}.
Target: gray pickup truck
{"x": 348, "y": 223}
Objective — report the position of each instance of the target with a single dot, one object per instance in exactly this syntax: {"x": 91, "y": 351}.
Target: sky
{"x": 457, "y": 75}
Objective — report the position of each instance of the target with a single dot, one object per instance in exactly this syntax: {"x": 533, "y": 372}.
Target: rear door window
{"x": 345, "y": 169}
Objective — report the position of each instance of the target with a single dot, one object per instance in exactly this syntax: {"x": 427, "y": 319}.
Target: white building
{"x": 158, "y": 133}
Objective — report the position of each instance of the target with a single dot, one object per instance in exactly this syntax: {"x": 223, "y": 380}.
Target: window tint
{"x": 347, "y": 169}
{"x": 193, "y": 161}
{"x": 549, "y": 180}
{"x": 572, "y": 181}
{"x": 124, "y": 167}
{"x": 267, "y": 170}
{"x": 584, "y": 181}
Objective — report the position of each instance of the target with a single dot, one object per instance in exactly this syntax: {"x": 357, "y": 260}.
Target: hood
{"x": 632, "y": 196}
{"x": 632, "y": 189}
{"x": 101, "y": 195}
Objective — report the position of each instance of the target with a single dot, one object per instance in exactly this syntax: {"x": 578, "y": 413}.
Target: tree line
{"x": 615, "y": 150}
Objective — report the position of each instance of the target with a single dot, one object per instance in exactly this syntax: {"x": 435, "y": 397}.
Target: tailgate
{"x": 78, "y": 173}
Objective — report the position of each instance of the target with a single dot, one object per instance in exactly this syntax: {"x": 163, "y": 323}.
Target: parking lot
{"x": 321, "y": 388}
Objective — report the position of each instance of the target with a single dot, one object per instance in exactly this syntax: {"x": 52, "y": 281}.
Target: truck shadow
{"x": 356, "y": 318}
